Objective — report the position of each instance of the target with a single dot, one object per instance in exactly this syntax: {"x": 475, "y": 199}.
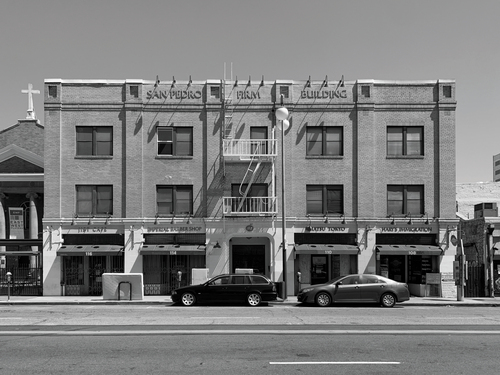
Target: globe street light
{"x": 282, "y": 116}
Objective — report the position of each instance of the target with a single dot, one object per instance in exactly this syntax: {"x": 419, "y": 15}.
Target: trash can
{"x": 279, "y": 287}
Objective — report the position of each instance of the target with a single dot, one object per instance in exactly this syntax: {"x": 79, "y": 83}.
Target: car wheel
{"x": 323, "y": 299}
{"x": 254, "y": 299}
{"x": 388, "y": 300}
{"x": 188, "y": 299}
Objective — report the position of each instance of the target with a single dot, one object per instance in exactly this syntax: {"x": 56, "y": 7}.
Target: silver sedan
{"x": 356, "y": 289}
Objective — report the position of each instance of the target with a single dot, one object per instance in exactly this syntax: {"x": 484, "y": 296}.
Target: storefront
{"x": 409, "y": 258}
{"x": 168, "y": 260}
{"x": 319, "y": 257}
{"x": 85, "y": 257}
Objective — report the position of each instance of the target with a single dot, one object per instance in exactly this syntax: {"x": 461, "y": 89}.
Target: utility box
{"x": 122, "y": 286}
{"x": 199, "y": 276}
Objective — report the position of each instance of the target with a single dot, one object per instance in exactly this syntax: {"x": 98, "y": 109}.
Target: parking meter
{"x": 179, "y": 278}
{"x": 299, "y": 277}
{"x": 9, "y": 281}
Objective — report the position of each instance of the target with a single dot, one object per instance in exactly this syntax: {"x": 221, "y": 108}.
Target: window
{"x": 175, "y": 141}
{"x": 325, "y": 140}
{"x": 404, "y": 199}
{"x": 220, "y": 281}
{"x": 324, "y": 199}
{"x": 284, "y": 90}
{"x": 240, "y": 280}
{"x": 134, "y": 91}
{"x": 365, "y": 91}
{"x": 94, "y": 199}
{"x": 402, "y": 140}
{"x": 94, "y": 140}
{"x": 258, "y": 135}
{"x": 255, "y": 201}
{"x": 215, "y": 92}
{"x": 174, "y": 200}
{"x": 53, "y": 91}
{"x": 447, "y": 91}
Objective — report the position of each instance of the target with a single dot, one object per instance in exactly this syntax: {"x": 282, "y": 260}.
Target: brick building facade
{"x": 167, "y": 177}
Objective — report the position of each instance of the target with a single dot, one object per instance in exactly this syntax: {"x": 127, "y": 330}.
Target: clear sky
{"x": 277, "y": 39}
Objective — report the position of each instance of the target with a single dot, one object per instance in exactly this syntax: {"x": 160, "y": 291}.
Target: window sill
{"x": 94, "y": 157}
{"x": 173, "y": 157}
{"x": 405, "y": 157}
{"x": 337, "y": 157}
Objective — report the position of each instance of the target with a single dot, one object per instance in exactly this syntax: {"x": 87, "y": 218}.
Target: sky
{"x": 277, "y": 39}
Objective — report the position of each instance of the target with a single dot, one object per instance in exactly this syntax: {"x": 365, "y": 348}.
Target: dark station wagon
{"x": 252, "y": 289}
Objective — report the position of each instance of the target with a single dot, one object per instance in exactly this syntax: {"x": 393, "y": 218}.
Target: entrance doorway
{"x": 319, "y": 269}
{"x": 249, "y": 257}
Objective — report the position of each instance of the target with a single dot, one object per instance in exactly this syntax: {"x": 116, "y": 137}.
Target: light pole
{"x": 282, "y": 116}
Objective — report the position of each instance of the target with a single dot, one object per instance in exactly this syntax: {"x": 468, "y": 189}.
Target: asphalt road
{"x": 242, "y": 340}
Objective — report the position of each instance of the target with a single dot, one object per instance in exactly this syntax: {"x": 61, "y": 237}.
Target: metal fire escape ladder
{"x": 253, "y": 173}
{"x": 228, "y": 110}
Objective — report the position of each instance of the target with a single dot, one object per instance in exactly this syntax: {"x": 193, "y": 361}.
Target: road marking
{"x": 334, "y": 363}
{"x": 243, "y": 331}
{"x": 224, "y": 317}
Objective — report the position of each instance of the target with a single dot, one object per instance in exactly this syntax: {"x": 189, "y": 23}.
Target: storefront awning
{"x": 326, "y": 249}
{"x": 19, "y": 253}
{"x": 408, "y": 250}
{"x": 89, "y": 250}
{"x": 172, "y": 250}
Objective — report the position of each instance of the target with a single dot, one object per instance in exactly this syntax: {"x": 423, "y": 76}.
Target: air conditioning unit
{"x": 485, "y": 210}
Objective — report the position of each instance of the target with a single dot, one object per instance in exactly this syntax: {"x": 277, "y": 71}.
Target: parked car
{"x": 356, "y": 289}
{"x": 252, "y": 289}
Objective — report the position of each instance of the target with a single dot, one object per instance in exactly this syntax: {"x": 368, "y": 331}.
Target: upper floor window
{"x": 94, "y": 140}
{"x": 405, "y": 199}
{"x": 175, "y": 141}
{"x": 258, "y": 135}
{"x": 405, "y": 140}
{"x": 257, "y": 198}
{"x": 325, "y": 140}
{"x": 325, "y": 199}
{"x": 174, "y": 200}
{"x": 94, "y": 200}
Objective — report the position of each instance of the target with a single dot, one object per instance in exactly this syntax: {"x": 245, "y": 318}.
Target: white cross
{"x": 31, "y": 111}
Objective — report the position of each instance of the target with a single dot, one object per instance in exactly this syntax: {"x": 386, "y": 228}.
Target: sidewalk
{"x": 291, "y": 301}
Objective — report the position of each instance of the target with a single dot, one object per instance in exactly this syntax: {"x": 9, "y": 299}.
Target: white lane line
{"x": 122, "y": 332}
{"x": 224, "y": 317}
{"x": 334, "y": 363}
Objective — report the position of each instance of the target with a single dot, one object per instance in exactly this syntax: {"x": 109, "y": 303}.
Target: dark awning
{"x": 326, "y": 249}
{"x": 172, "y": 250}
{"x": 408, "y": 250}
{"x": 19, "y": 253}
{"x": 20, "y": 242}
{"x": 90, "y": 250}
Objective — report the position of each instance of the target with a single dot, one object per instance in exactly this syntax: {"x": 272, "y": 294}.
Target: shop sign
{"x": 326, "y": 229}
{"x": 406, "y": 229}
{"x": 326, "y": 94}
{"x": 92, "y": 229}
{"x": 247, "y": 94}
{"x": 184, "y": 229}
{"x": 173, "y": 94}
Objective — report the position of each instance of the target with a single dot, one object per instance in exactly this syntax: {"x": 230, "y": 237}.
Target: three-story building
{"x": 163, "y": 178}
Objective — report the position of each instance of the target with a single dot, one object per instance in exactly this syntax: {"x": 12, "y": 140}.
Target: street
{"x": 161, "y": 339}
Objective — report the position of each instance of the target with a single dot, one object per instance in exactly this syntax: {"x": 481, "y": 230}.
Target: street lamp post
{"x": 282, "y": 116}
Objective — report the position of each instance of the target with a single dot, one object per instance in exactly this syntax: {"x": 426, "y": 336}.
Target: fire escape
{"x": 251, "y": 152}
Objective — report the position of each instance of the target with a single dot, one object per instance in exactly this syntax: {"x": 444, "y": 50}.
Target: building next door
{"x": 249, "y": 257}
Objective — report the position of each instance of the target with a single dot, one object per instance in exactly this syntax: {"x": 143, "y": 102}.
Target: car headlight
{"x": 306, "y": 290}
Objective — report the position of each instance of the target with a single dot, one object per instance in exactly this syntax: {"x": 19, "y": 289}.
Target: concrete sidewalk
{"x": 291, "y": 301}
